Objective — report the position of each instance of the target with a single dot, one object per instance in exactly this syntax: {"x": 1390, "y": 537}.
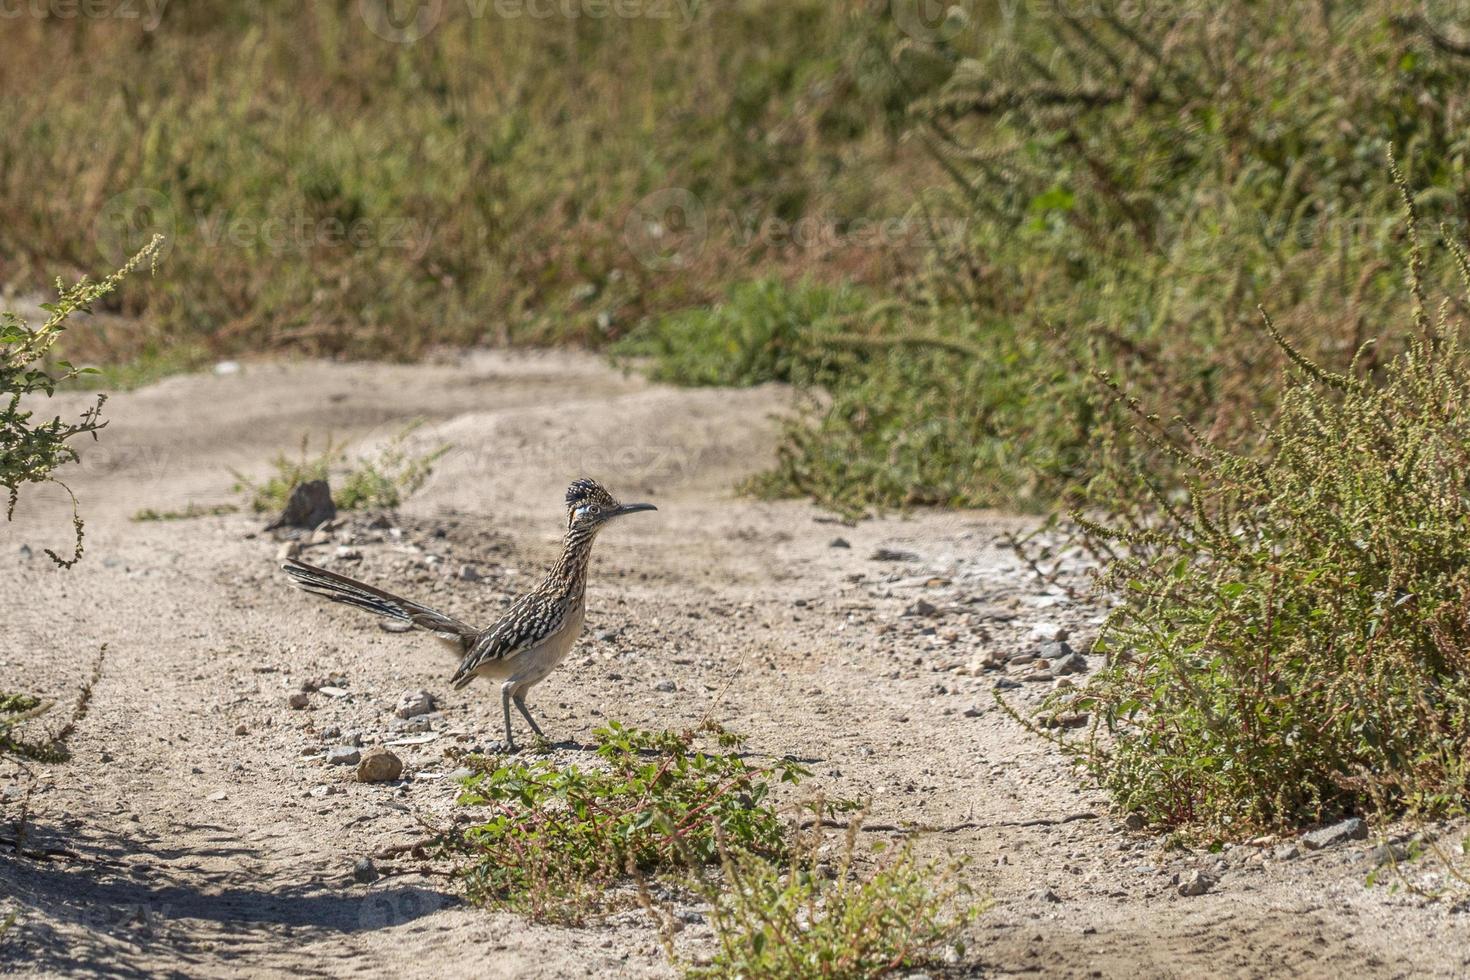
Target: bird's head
{"x": 589, "y": 506}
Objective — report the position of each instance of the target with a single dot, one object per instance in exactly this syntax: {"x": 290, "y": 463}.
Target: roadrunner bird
{"x": 537, "y": 630}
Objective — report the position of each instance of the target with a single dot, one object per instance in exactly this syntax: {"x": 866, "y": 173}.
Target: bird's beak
{"x": 632, "y": 509}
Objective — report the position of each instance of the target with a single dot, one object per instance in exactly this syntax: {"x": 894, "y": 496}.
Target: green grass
{"x": 554, "y": 842}
{"x": 329, "y": 191}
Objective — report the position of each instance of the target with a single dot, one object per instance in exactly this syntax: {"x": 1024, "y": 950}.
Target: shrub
{"x": 1293, "y": 638}
{"x": 32, "y": 451}
{"x": 762, "y": 331}
{"x": 557, "y": 839}
{"x": 809, "y": 920}
{"x": 383, "y": 480}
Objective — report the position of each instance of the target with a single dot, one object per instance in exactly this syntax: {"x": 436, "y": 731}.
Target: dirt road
{"x": 197, "y": 829}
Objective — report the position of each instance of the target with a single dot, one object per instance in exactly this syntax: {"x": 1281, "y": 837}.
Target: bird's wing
{"x": 530, "y": 620}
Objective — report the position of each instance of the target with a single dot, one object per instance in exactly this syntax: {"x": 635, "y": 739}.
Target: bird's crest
{"x": 588, "y": 491}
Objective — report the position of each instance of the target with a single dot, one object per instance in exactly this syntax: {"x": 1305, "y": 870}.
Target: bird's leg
{"x": 510, "y": 740}
{"x": 520, "y": 700}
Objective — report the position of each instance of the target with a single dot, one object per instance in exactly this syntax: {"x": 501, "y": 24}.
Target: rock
{"x": 1048, "y": 632}
{"x": 469, "y": 573}
{"x": 379, "y": 765}
{"x": 1135, "y": 821}
{"x": 1021, "y": 659}
{"x": 1045, "y": 895}
{"x": 1055, "y": 650}
{"x": 666, "y": 687}
{"x": 241, "y": 730}
{"x": 343, "y": 755}
{"x": 414, "y": 703}
{"x": 1388, "y": 854}
{"x": 394, "y": 626}
{"x": 1287, "y": 852}
{"x": 1352, "y": 828}
{"x": 348, "y": 554}
{"x": 921, "y": 608}
{"x": 309, "y": 505}
{"x": 974, "y": 711}
{"x": 1073, "y": 663}
{"x": 418, "y": 723}
{"x": 26, "y": 553}
{"x": 1195, "y": 883}
{"x": 288, "y": 550}
{"x": 607, "y": 636}
{"x": 893, "y": 554}
{"x": 838, "y": 543}
{"x": 365, "y": 872}
{"x": 298, "y": 700}
{"x": 1006, "y": 684}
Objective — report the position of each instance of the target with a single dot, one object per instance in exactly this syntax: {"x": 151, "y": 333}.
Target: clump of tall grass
{"x": 329, "y": 190}
{"x": 384, "y": 479}
{"x": 1293, "y": 638}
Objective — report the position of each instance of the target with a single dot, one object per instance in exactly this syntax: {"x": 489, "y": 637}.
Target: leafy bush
{"x": 1293, "y": 641}
{"x": 762, "y": 331}
{"x": 32, "y": 451}
{"x": 557, "y": 839}
{"x": 380, "y": 481}
{"x": 811, "y": 920}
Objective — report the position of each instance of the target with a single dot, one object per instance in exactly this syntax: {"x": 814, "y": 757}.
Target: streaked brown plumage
{"x": 537, "y": 630}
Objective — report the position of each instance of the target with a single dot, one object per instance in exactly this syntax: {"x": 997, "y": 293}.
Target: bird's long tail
{"x": 340, "y": 588}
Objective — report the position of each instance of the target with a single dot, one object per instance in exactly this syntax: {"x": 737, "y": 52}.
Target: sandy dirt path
{"x": 197, "y": 830}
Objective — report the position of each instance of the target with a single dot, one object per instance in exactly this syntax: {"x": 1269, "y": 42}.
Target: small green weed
{"x": 32, "y": 451}
{"x": 188, "y": 513}
{"x": 866, "y": 917}
{"x": 557, "y": 839}
{"x": 381, "y": 481}
{"x": 18, "y": 709}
